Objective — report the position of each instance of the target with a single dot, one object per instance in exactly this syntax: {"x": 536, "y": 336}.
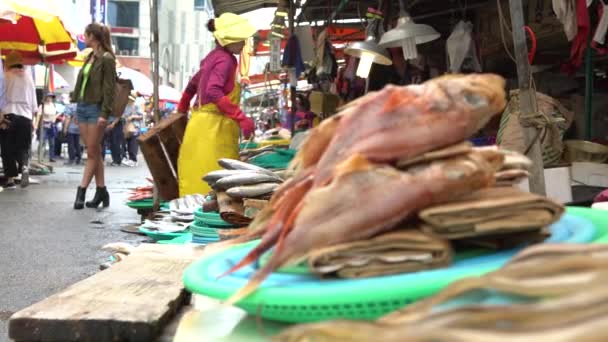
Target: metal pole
{"x": 40, "y": 118}
{"x": 155, "y": 58}
{"x": 292, "y": 89}
{"x": 155, "y": 80}
{"x": 589, "y": 91}
{"x": 527, "y": 97}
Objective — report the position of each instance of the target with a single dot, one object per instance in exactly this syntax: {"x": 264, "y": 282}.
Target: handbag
{"x": 129, "y": 130}
{"x": 122, "y": 90}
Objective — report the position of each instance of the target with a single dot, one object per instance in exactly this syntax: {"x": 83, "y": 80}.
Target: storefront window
{"x": 123, "y": 14}
{"x": 126, "y": 46}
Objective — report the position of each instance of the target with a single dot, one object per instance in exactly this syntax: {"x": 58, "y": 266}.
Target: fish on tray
{"x": 401, "y": 251}
{"x": 252, "y": 191}
{"x": 353, "y": 153}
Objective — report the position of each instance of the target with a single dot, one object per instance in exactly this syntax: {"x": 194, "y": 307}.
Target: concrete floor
{"x": 46, "y": 246}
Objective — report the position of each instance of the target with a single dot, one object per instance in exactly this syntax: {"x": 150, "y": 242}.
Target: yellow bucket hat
{"x": 232, "y": 28}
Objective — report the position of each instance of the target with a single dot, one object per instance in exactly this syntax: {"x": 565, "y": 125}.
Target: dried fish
{"x": 245, "y": 179}
{"x": 214, "y": 176}
{"x": 231, "y": 164}
{"x": 252, "y": 191}
{"x": 319, "y": 205}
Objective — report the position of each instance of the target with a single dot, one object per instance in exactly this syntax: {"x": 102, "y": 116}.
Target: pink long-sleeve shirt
{"x": 216, "y": 76}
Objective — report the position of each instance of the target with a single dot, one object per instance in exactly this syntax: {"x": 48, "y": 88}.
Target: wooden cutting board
{"x": 132, "y": 300}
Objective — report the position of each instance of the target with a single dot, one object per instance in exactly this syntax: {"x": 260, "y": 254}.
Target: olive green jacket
{"x": 101, "y": 83}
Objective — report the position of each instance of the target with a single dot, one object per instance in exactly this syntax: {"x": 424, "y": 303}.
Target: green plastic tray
{"x": 144, "y": 204}
{"x": 599, "y": 218}
{"x": 180, "y": 240}
{"x": 302, "y": 298}
{"x": 158, "y": 236}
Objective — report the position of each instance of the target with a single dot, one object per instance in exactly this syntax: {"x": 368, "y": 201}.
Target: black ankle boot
{"x": 101, "y": 196}
{"x": 80, "y": 195}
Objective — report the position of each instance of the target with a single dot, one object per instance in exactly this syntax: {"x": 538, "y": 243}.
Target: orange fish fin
{"x": 356, "y": 162}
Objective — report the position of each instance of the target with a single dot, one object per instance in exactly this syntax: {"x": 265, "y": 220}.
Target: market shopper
{"x": 72, "y": 134}
{"x": 114, "y": 140}
{"x": 213, "y": 131}
{"x": 16, "y": 115}
{"x": 94, "y": 95}
{"x": 47, "y": 118}
{"x": 133, "y": 121}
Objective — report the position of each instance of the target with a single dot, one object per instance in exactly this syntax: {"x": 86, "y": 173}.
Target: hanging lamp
{"x": 368, "y": 51}
{"x": 407, "y": 34}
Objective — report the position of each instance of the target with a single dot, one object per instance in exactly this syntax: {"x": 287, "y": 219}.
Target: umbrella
{"x": 12, "y": 9}
{"x": 38, "y": 37}
{"x": 166, "y": 93}
{"x": 141, "y": 82}
{"x": 58, "y": 81}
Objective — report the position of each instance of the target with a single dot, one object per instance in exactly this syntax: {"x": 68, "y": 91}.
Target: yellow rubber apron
{"x": 210, "y": 136}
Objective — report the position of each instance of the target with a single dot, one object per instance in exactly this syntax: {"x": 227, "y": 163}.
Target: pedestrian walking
{"x": 72, "y": 134}
{"x": 94, "y": 95}
{"x": 47, "y": 119}
{"x": 133, "y": 121}
{"x": 114, "y": 140}
{"x": 16, "y": 114}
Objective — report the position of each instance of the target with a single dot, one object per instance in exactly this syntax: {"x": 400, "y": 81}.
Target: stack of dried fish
{"x": 545, "y": 293}
{"x": 237, "y": 182}
{"x": 370, "y": 168}
{"x": 182, "y": 209}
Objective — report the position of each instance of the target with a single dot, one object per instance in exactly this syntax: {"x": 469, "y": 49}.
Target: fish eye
{"x": 474, "y": 99}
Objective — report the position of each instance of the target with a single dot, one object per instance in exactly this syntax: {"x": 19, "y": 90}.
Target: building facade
{"x": 183, "y": 39}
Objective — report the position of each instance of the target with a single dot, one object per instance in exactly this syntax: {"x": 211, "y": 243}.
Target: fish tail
{"x": 270, "y": 237}
{"x": 275, "y": 261}
{"x": 254, "y": 282}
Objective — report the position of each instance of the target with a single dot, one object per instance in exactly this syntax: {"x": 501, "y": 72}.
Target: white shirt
{"x": 19, "y": 94}
{"x": 50, "y": 112}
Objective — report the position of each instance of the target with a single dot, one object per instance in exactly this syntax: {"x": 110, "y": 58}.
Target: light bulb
{"x": 365, "y": 64}
{"x": 409, "y": 48}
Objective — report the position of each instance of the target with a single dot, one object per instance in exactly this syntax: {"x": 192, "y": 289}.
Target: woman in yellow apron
{"x": 213, "y": 130}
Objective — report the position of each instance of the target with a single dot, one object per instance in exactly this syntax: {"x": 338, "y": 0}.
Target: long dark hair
{"x": 101, "y": 33}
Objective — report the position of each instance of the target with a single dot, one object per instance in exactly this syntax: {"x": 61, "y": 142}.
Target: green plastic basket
{"x": 302, "y": 298}
{"x": 248, "y": 145}
{"x": 212, "y": 219}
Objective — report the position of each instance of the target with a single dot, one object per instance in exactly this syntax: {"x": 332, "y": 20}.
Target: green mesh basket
{"x": 211, "y": 219}
{"x": 292, "y": 297}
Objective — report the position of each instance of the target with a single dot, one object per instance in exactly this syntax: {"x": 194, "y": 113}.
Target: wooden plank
{"x": 162, "y": 159}
{"x": 527, "y": 101}
{"x": 131, "y": 300}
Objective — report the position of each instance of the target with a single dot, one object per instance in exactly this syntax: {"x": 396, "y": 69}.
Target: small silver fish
{"x": 245, "y": 179}
{"x": 214, "y": 176}
{"x": 232, "y": 164}
{"x": 252, "y": 191}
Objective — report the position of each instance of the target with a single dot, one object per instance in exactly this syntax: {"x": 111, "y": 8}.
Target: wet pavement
{"x": 46, "y": 246}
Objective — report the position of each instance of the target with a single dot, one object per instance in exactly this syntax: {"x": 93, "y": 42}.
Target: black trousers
{"x": 114, "y": 139}
{"x": 132, "y": 148}
{"x": 16, "y": 143}
{"x": 74, "y": 149}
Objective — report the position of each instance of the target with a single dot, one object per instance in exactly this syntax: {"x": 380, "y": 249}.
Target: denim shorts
{"x": 88, "y": 113}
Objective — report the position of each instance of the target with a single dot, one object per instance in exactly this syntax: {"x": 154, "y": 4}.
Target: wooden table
{"x": 132, "y": 300}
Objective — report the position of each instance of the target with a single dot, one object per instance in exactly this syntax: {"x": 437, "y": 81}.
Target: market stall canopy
{"x": 39, "y": 9}
{"x": 241, "y": 6}
{"x": 141, "y": 83}
{"x": 38, "y": 40}
{"x": 58, "y": 81}
{"x": 166, "y": 93}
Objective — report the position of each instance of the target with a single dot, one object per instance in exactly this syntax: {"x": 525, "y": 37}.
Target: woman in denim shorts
{"x": 94, "y": 95}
